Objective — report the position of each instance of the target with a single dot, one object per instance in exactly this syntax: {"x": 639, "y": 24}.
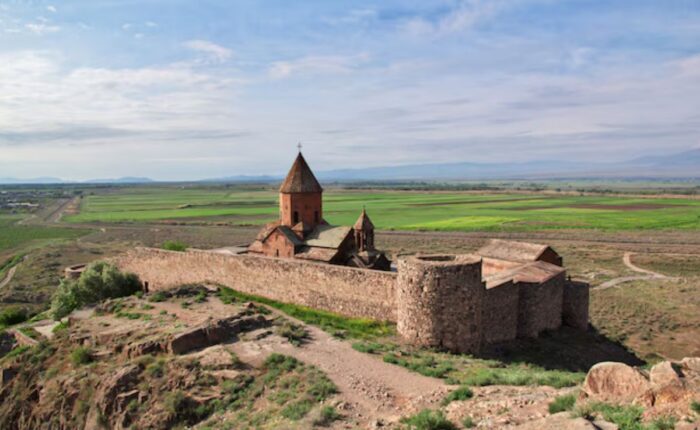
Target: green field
{"x": 399, "y": 210}
{"x": 14, "y": 236}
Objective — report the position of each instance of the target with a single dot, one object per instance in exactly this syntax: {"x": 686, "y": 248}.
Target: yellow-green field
{"x": 399, "y": 210}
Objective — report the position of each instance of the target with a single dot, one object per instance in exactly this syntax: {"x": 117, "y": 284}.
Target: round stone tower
{"x": 439, "y": 299}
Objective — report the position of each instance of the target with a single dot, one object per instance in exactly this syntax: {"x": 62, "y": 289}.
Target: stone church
{"x": 303, "y": 233}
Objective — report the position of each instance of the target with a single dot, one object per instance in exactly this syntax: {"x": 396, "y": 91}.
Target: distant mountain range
{"x": 685, "y": 165}
{"x": 52, "y": 180}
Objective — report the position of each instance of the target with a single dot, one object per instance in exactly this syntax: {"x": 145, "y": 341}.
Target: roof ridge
{"x": 300, "y": 178}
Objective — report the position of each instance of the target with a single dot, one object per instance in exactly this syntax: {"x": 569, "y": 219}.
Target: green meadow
{"x": 398, "y": 210}
{"x": 14, "y": 236}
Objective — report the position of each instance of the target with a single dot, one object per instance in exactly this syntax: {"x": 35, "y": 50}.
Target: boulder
{"x": 691, "y": 363}
{"x": 663, "y": 374}
{"x": 617, "y": 383}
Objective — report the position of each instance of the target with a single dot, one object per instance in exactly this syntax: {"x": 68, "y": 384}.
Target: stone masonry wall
{"x": 540, "y": 306}
{"x": 440, "y": 301}
{"x": 500, "y": 314}
{"x": 576, "y": 302}
{"x": 344, "y": 290}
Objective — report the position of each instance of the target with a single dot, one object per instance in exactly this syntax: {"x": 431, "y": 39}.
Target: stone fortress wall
{"x": 439, "y": 301}
{"x": 345, "y": 290}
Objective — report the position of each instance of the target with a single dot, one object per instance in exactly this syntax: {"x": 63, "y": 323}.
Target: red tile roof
{"x": 300, "y": 178}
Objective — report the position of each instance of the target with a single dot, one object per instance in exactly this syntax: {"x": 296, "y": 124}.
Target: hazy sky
{"x": 175, "y": 89}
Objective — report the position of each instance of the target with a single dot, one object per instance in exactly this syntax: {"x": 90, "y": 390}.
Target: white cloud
{"x": 51, "y": 8}
{"x": 312, "y": 65}
{"x": 463, "y": 17}
{"x": 151, "y": 24}
{"x": 213, "y": 51}
{"x": 127, "y": 26}
{"x": 41, "y": 28}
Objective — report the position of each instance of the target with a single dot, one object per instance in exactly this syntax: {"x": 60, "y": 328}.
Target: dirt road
{"x": 8, "y": 277}
{"x": 645, "y": 274}
{"x": 370, "y": 387}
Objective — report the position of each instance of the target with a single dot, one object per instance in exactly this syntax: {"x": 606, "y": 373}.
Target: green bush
{"x": 461, "y": 393}
{"x": 468, "y": 422}
{"x": 327, "y": 415}
{"x": 174, "y": 245}
{"x": 297, "y": 410}
{"x": 12, "y": 316}
{"x": 98, "y": 282}
{"x": 80, "y": 356}
{"x": 627, "y": 417}
{"x": 562, "y": 403}
{"x": 157, "y": 297}
{"x": 663, "y": 423}
{"x": 428, "y": 420}
{"x": 695, "y": 407}
{"x": 295, "y": 334}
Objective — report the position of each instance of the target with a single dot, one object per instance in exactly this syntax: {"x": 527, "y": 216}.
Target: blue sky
{"x": 199, "y": 89}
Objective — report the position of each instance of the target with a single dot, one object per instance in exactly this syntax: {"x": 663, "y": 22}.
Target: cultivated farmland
{"x": 399, "y": 210}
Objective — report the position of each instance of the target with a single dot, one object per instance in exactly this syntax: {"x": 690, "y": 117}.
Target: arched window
{"x": 296, "y": 217}
{"x": 316, "y": 220}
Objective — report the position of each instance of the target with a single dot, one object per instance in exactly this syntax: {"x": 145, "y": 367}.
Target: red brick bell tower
{"x": 301, "y": 205}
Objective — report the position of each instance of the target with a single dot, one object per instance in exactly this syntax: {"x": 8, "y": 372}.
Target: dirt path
{"x": 8, "y": 276}
{"x": 373, "y": 390}
{"x": 645, "y": 274}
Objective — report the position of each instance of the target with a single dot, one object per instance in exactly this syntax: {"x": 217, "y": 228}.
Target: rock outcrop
{"x": 214, "y": 333}
{"x": 667, "y": 389}
{"x": 616, "y": 382}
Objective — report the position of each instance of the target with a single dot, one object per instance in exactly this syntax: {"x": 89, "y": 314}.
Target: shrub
{"x": 562, "y": 403}
{"x": 12, "y": 316}
{"x": 60, "y": 327}
{"x": 327, "y": 415}
{"x": 468, "y": 422}
{"x": 174, "y": 245}
{"x": 157, "y": 297}
{"x": 321, "y": 387}
{"x": 297, "y": 410}
{"x": 183, "y": 408}
{"x": 98, "y": 282}
{"x": 295, "y": 334}
{"x": 80, "y": 356}
{"x": 156, "y": 369}
{"x": 626, "y": 417}
{"x": 663, "y": 423}
{"x": 695, "y": 407}
{"x": 461, "y": 393}
{"x": 428, "y": 420}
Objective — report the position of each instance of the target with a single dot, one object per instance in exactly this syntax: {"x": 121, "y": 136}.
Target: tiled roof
{"x": 290, "y": 235}
{"x": 530, "y": 273}
{"x": 363, "y": 222}
{"x": 327, "y": 236}
{"x": 512, "y": 251}
{"x": 300, "y": 178}
{"x": 317, "y": 254}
